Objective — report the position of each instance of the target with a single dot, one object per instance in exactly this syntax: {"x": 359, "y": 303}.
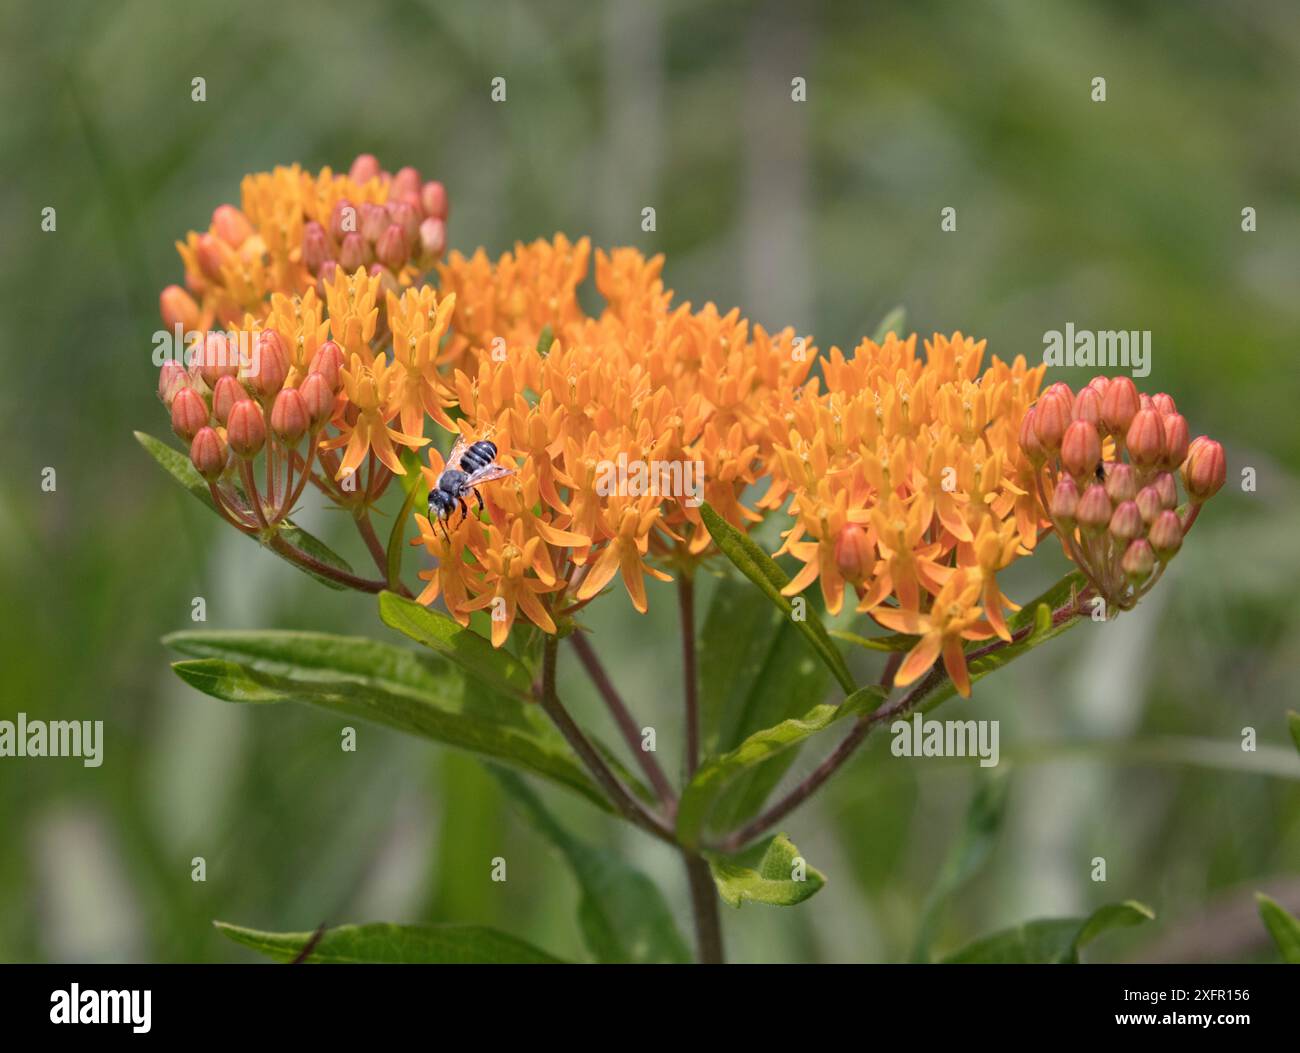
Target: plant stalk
{"x": 704, "y": 907}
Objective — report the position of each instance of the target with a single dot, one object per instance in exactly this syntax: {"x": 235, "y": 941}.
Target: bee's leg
{"x": 443, "y": 523}
{"x": 464, "y": 508}
{"x": 479, "y": 498}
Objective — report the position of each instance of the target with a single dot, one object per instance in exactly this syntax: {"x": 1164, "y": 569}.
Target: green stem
{"x": 704, "y": 906}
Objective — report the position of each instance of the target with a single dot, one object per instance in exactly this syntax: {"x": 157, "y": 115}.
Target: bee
{"x": 469, "y": 466}
{"x": 1100, "y": 471}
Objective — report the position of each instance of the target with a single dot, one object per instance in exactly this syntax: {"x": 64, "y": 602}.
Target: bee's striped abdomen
{"x": 479, "y": 455}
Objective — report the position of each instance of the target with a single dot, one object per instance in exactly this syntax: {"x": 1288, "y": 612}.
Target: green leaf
{"x": 772, "y": 881}
{"x": 178, "y": 466}
{"x": 1282, "y": 926}
{"x": 1293, "y": 724}
{"x": 763, "y": 571}
{"x": 622, "y": 914}
{"x": 892, "y": 642}
{"x": 380, "y": 942}
{"x": 421, "y": 694}
{"x": 544, "y": 340}
{"x": 1055, "y": 941}
{"x": 413, "y": 485}
{"x": 893, "y": 322}
{"x": 718, "y": 774}
{"x": 969, "y": 853}
{"x": 497, "y": 668}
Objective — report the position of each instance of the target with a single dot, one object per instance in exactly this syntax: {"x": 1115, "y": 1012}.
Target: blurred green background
{"x": 1121, "y": 741}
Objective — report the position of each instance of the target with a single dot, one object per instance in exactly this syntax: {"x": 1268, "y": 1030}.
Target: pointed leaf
{"x": 773, "y": 881}
{"x": 893, "y": 322}
{"x": 764, "y": 572}
{"x": 892, "y": 642}
{"x": 622, "y": 914}
{"x": 1051, "y": 941}
{"x": 1282, "y": 926}
{"x": 393, "y": 944}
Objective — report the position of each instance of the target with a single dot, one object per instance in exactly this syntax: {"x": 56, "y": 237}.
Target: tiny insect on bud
{"x": 353, "y": 252}
{"x": 318, "y": 396}
{"x": 208, "y": 253}
{"x": 854, "y": 554}
{"x": 1163, "y": 404}
{"x": 1094, "y": 509}
{"x": 391, "y": 249}
{"x": 246, "y": 428}
{"x": 364, "y": 168}
{"x": 1205, "y": 469}
{"x": 1065, "y": 502}
{"x": 290, "y": 417}
{"x": 177, "y": 307}
{"x": 1176, "y": 442}
{"x": 1080, "y": 449}
{"x": 1119, "y": 404}
{"x": 272, "y": 364}
{"x": 215, "y": 358}
{"x": 374, "y": 221}
{"x": 327, "y": 361}
{"x": 433, "y": 237}
{"x": 1126, "y": 523}
{"x": 433, "y": 199}
{"x": 209, "y": 453}
{"x": 231, "y": 225}
{"x": 1138, "y": 561}
{"x": 224, "y": 396}
{"x": 1146, "y": 438}
{"x": 1167, "y": 489}
{"x": 1121, "y": 482}
{"x": 171, "y": 378}
{"x": 1166, "y": 535}
{"x": 189, "y": 413}
{"x": 1149, "y": 503}
{"x": 1051, "y": 418}
{"x": 407, "y": 181}
{"x": 315, "y": 246}
{"x": 1087, "y": 406}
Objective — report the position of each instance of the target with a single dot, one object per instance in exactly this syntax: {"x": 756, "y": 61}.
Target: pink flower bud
{"x": 343, "y": 219}
{"x": 1094, "y": 509}
{"x": 1121, "y": 482}
{"x": 215, "y": 358}
{"x": 1138, "y": 562}
{"x": 1099, "y": 384}
{"x": 1166, "y": 535}
{"x": 224, "y": 396}
{"x": 433, "y": 199}
{"x": 407, "y": 181}
{"x": 177, "y": 307}
{"x": 1146, "y": 438}
{"x": 171, "y": 378}
{"x": 318, "y": 397}
{"x": 1175, "y": 425}
{"x": 1065, "y": 502}
{"x": 374, "y": 221}
{"x": 1163, "y": 404}
{"x": 854, "y": 554}
{"x": 1051, "y": 418}
{"x": 231, "y": 226}
{"x": 1126, "y": 523}
{"x": 290, "y": 417}
{"x": 1167, "y": 489}
{"x": 1029, "y": 439}
{"x": 246, "y": 428}
{"x": 1205, "y": 469}
{"x": 1080, "y": 449}
{"x": 407, "y": 218}
{"x": 433, "y": 237}
{"x": 1119, "y": 405}
{"x": 327, "y": 361}
{"x": 189, "y": 413}
{"x": 208, "y": 253}
{"x": 352, "y": 254}
{"x": 1149, "y": 503}
{"x": 387, "y": 279}
{"x": 1144, "y": 402}
{"x": 272, "y": 364}
{"x": 316, "y": 246}
{"x": 1087, "y": 407}
{"x": 364, "y": 168}
{"x": 1061, "y": 389}
{"x": 209, "y": 453}
{"x": 391, "y": 249}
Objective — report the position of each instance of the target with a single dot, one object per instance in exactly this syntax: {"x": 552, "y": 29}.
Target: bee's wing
{"x": 487, "y": 473}
{"x": 457, "y": 452}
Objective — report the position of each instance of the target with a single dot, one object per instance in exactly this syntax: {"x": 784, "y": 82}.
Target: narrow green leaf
{"x": 178, "y": 466}
{"x": 380, "y": 942}
{"x": 495, "y": 667}
{"x": 1293, "y": 724}
{"x": 782, "y": 877}
{"x": 545, "y": 339}
{"x": 893, "y": 322}
{"x": 416, "y": 492}
{"x": 892, "y": 642}
{"x": 717, "y": 775}
{"x": 764, "y": 572}
{"x": 1055, "y": 941}
{"x": 968, "y": 854}
{"x": 418, "y": 693}
{"x": 1282, "y": 926}
{"x": 622, "y": 914}
{"x": 1054, "y": 597}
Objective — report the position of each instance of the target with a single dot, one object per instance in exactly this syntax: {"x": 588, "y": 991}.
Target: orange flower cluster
{"x": 909, "y": 485}
{"x": 616, "y": 426}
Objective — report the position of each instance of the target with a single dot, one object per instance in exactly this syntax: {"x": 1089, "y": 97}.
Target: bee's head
{"x": 440, "y": 504}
